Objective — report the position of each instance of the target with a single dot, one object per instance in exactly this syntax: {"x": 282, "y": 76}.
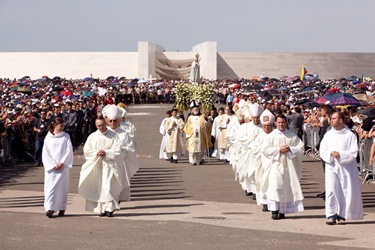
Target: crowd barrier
{"x": 311, "y": 140}
{"x": 367, "y": 171}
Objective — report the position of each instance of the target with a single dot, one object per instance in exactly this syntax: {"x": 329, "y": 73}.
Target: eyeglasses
{"x": 112, "y": 121}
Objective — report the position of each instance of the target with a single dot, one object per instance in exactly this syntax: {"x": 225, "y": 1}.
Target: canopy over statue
{"x": 195, "y": 70}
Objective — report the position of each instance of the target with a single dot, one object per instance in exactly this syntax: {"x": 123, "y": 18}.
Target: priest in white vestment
{"x": 247, "y": 133}
{"x": 162, "y": 153}
{"x": 232, "y": 138}
{"x": 219, "y": 131}
{"x": 283, "y": 149}
{"x": 131, "y": 159}
{"x": 57, "y": 157}
{"x": 112, "y": 115}
{"x": 197, "y": 135}
{"x": 339, "y": 150}
{"x": 174, "y": 144}
{"x": 101, "y": 178}
{"x": 261, "y": 164}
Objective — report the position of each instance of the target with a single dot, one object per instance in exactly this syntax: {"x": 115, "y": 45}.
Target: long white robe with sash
{"x": 284, "y": 189}
{"x": 56, "y": 149}
{"x": 343, "y": 189}
{"x": 101, "y": 178}
{"x": 162, "y": 153}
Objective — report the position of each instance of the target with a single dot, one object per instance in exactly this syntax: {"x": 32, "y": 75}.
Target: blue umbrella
{"x": 86, "y": 79}
{"x": 341, "y": 99}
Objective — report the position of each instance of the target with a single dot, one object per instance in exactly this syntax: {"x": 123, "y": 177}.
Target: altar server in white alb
{"x": 57, "y": 157}
{"x": 339, "y": 150}
{"x": 283, "y": 150}
{"x": 247, "y": 133}
{"x": 173, "y": 128}
{"x": 101, "y": 180}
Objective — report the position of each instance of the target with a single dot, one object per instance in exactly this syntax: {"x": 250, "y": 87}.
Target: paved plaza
{"x": 174, "y": 206}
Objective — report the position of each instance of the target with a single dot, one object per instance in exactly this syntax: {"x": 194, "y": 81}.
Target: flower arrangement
{"x": 187, "y": 92}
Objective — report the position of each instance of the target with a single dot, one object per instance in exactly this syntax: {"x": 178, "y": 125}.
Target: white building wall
{"x": 327, "y": 65}
{"x": 68, "y": 64}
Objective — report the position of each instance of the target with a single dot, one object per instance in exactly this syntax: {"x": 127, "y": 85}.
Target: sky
{"x": 236, "y": 26}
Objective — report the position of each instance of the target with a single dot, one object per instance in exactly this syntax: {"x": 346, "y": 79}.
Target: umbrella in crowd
{"x": 311, "y": 105}
{"x": 342, "y": 99}
{"x": 321, "y": 100}
{"x": 366, "y": 98}
{"x": 87, "y": 79}
{"x": 368, "y": 112}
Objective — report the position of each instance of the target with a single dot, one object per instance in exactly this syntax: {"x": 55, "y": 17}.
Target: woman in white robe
{"x": 57, "y": 157}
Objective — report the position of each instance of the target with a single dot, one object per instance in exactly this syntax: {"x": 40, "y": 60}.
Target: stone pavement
{"x": 174, "y": 206}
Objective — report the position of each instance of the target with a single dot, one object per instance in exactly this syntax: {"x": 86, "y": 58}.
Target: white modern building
{"x": 151, "y": 60}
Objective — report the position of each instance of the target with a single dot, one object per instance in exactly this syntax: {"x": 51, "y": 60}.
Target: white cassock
{"x": 261, "y": 168}
{"x": 126, "y": 146}
{"x": 284, "y": 191}
{"x": 162, "y": 154}
{"x": 343, "y": 189}
{"x": 246, "y": 164}
{"x": 131, "y": 159}
{"x": 56, "y": 149}
{"x": 232, "y": 140}
{"x": 101, "y": 178}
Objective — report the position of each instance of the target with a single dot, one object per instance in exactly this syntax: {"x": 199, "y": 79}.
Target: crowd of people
{"x": 260, "y": 132}
{"x": 265, "y": 141}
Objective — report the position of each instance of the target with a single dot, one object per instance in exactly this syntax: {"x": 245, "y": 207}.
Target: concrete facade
{"x": 153, "y": 61}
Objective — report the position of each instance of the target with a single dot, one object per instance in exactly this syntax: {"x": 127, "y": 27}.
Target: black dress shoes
{"x": 106, "y": 214}
{"x": 248, "y": 193}
{"x": 265, "y": 208}
{"x": 254, "y": 196}
{"x": 61, "y": 213}
{"x": 275, "y": 215}
{"x": 49, "y": 213}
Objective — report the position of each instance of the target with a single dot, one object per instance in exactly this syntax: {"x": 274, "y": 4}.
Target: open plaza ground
{"x": 174, "y": 206}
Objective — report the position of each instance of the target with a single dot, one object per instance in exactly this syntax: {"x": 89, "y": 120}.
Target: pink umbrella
{"x": 321, "y": 100}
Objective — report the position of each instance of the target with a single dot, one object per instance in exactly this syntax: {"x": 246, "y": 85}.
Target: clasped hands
{"x": 284, "y": 149}
{"x": 58, "y": 166}
{"x": 335, "y": 154}
{"x": 101, "y": 153}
